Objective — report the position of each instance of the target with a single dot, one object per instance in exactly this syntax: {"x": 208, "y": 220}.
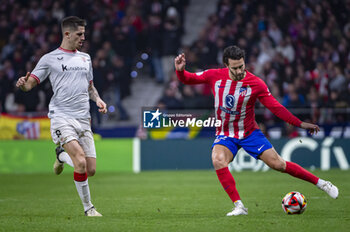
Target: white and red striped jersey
{"x": 235, "y": 100}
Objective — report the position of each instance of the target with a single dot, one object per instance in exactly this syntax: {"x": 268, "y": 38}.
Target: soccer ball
{"x": 294, "y": 203}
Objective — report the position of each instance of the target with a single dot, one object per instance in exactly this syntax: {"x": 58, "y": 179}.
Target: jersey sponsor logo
{"x": 221, "y": 86}
{"x": 230, "y": 101}
{"x": 229, "y": 111}
{"x": 65, "y": 68}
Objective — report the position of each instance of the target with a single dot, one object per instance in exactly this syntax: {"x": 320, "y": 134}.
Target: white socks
{"x": 238, "y": 202}
{"x": 65, "y": 158}
{"x": 84, "y": 193}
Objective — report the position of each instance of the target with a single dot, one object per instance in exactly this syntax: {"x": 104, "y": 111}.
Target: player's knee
{"x": 91, "y": 171}
{"x": 277, "y": 165}
{"x": 80, "y": 162}
{"x": 219, "y": 161}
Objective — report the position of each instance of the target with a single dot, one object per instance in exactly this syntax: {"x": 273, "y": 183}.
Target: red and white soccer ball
{"x": 294, "y": 203}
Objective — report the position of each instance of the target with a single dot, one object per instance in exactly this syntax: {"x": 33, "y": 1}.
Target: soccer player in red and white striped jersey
{"x": 236, "y": 91}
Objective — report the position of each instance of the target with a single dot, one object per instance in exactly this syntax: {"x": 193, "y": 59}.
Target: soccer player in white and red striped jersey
{"x": 235, "y": 91}
{"x": 70, "y": 74}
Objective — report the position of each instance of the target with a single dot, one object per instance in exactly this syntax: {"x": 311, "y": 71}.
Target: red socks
{"x": 295, "y": 170}
{"x": 228, "y": 183}
{"x": 80, "y": 177}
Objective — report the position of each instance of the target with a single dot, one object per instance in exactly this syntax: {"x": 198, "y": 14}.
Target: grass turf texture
{"x": 169, "y": 201}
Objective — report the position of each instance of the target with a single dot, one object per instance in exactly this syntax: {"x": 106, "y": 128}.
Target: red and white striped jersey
{"x": 235, "y": 100}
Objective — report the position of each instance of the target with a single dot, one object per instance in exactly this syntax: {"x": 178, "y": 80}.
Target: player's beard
{"x": 237, "y": 77}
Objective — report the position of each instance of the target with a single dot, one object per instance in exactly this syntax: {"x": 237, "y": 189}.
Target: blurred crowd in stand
{"x": 117, "y": 33}
{"x": 300, "y": 48}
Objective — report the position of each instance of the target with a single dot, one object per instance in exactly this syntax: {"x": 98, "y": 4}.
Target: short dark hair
{"x": 72, "y": 22}
{"x": 234, "y": 53}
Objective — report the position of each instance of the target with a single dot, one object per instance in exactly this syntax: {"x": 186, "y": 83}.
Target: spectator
{"x": 154, "y": 38}
{"x": 292, "y": 99}
{"x": 300, "y": 49}
{"x": 190, "y": 98}
{"x": 278, "y": 39}
{"x": 286, "y": 49}
{"x": 171, "y": 98}
{"x": 115, "y": 83}
{"x": 338, "y": 82}
{"x": 115, "y": 28}
{"x": 171, "y": 41}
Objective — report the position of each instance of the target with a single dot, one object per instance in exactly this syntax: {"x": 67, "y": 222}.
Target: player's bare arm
{"x": 311, "y": 128}
{"x": 26, "y": 82}
{"x": 180, "y": 62}
{"x": 93, "y": 94}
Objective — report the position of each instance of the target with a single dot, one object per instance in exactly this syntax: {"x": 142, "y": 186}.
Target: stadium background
{"x": 299, "y": 48}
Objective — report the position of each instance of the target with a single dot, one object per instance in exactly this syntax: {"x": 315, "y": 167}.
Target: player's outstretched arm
{"x": 187, "y": 77}
{"x": 26, "y": 82}
{"x": 180, "y": 62}
{"x": 311, "y": 128}
{"x": 93, "y": 94}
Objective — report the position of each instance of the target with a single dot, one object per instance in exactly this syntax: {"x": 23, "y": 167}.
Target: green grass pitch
{"x": 169, "y": 201}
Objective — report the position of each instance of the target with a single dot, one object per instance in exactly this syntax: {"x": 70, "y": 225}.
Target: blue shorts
{"x": 254, "y": 144}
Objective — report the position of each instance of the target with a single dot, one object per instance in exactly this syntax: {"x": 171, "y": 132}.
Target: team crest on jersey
{"x": 243, "y": 91}
{"x": 83, "y": 58}
{"x": 229, "y": 101}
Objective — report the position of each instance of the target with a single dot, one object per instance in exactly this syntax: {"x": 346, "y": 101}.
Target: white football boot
{"x": 330, "y": 189}
{"x": 58, "y": 165}
{"x": 92, "y": 212}
{"x": 239, "y": 209}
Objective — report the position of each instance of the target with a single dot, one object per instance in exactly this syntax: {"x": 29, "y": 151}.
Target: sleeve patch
{"x": 200, "y": 73}
{"x": 268, "y": 92}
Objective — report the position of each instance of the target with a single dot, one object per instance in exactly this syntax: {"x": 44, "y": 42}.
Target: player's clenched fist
{"x": 101, "y": 105}
{"x": 180, "y": 62}
{"x": 22, "y": 80}
{"x": 26, "y": 83}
